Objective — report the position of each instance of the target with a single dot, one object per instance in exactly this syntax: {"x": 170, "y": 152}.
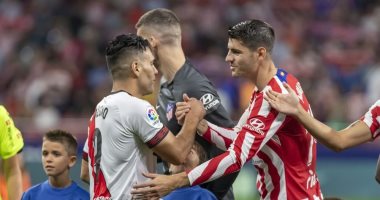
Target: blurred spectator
{"x": 55, "y": 69}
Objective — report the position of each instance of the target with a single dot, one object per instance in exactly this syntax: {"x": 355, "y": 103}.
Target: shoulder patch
{"x": 152, "y": 115}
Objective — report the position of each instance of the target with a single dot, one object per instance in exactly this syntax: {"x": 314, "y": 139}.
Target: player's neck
{"x": 171, "y": 60}
{"x": 61, "y": 181}
{"x": 129, "y": 86}
{"x": 264, "y": 74}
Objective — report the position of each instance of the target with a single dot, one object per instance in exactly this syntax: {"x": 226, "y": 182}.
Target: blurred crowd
{"x": 53, "y": 66}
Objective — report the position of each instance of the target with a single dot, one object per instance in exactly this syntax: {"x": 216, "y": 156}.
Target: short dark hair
{"x": 162, "y": 23}
{"x": 253, "y": 33}
{"x": 159, "y": 16}
{"x": 123, "y": 47}
{"x": 65, "y": 138}
{"x": 201, "y": 152}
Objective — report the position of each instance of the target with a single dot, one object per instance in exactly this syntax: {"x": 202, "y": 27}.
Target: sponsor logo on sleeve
{"x": 209, "y": 101}
{"x": 256, "y": 125}
{"x": 152, "y": 116}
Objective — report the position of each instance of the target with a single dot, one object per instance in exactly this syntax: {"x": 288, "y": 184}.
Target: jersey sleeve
{"x": 26, "y": 196}
{"x": 11, "y": 141}
{"x": 85, "y": 146}
{"x": 221, "y": 137}
{"x": 262, "y": 123}
{"x": 204, "y": 92}
{"x": 372, "y": 119}
{"x": 146, "y": 124}
{"x": 85, "y": 151}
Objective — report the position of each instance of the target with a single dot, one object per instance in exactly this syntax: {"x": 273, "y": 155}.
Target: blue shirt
{"x": 190, "y": 193}
{"x": 45, "y": 191}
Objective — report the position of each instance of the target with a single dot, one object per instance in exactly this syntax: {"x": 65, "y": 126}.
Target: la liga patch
{"x": 153, "y": 118}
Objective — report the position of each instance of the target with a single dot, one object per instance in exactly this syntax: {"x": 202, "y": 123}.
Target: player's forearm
{"x": 211, "y": 169}
{"x": 323, "y": 133}
{"x": 221, "y": 137}
{"x": 14, "y": 183}
{"x": 202, "y": 127}
{"x": 185, "y": 138}
{"x": 182, "y": 180}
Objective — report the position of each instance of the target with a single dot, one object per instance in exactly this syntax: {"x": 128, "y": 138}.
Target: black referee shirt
{"x": 190, "y": 81}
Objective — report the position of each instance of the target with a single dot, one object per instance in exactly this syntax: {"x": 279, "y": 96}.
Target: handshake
{"x": 190, "y": 107}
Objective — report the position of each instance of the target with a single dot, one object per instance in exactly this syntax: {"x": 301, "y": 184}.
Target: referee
{"x": 161, "y": 27}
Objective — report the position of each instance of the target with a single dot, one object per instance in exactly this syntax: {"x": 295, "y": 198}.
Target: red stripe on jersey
{"x": 275, "y": 177}
{"x": 238, "y": 150}
{"x": 85, "y": 156}
{"x": 262, "y": 187}
{"x": 91, "y": 150}
{"x": 375, "y": 124}
{"x": 100, "y": 185}
{"x": 227, "y": 141}
{"x": 207, "y": 135}
{"x": 371, "y": 119}
{"x": 160, "y": 135}
{"x": 210, "y": 169}
{"x": 257, "y": 106}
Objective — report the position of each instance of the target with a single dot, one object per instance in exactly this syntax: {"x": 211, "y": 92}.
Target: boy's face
{"x": 55, "y": 158}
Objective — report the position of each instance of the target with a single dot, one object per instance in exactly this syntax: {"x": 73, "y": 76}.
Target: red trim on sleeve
{"x": 160, "y": 135}
{"x": 207, "y": 134}
{"x": 85, "y": 156}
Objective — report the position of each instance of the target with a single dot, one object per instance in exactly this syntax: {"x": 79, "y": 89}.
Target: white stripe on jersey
{"x": 220, "y": 169}
{"x": 276, "y": 124}
{"x": 267, "y": 182}
{"x": 218, "y": 134}
{"x": 226, "y": 162}
{"x": 368, "y": 119}
{"x": 376, "y": 133}
{"x": 243, "y": 119}
{"x": 279, "y": 165}
{"x": 259, "y": 184}
{"x": 246, "y": 147}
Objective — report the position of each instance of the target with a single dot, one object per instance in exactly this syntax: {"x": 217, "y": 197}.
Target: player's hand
{"x": 158, "y": 186}
{"x": 284, "y": 103}
{"x": 182, "y": 108}
{"x": 197, "y": 109}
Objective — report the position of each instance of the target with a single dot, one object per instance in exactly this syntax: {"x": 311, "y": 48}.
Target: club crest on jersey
{"x": 153, "y": 116}
{"x": 256, "y": 125}
{"x": 169, "y": 111}
{"x": 209, "y": 101}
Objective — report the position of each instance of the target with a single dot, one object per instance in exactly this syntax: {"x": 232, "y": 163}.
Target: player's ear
{"x": 135, "y": 68}
{"x": 262, "y": 53}
{"x": 72, "y": 161}
{"x": 153, "y": 41}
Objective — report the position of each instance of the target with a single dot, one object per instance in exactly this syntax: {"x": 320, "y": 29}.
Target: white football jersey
{"x": 121, "y": 132}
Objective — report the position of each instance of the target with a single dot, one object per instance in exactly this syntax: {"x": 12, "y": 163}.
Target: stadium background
{"x": 53, "y": 68}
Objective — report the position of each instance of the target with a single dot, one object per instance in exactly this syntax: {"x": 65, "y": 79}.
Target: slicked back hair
{"x": 64, "y": 138}
{"x": 164, "y": 22}
{"x": 253, "y": 34}
{"x": 121, "y": 51}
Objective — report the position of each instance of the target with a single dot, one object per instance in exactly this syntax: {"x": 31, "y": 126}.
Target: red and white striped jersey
{"x": 281, "y": 149}
{"x": 120, "y": 133}
{"x": 372, "y": 119}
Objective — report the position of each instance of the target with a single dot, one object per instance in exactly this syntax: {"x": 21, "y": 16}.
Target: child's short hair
{"x": 201, "y": 152}
{"x": 64, "y": 138}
